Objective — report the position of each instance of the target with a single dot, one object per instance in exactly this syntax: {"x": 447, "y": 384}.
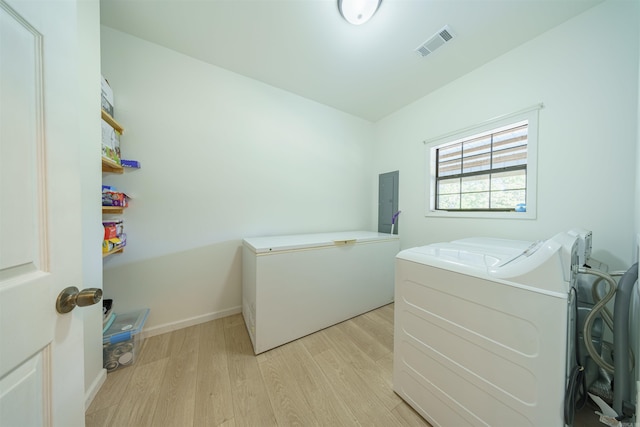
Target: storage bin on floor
{"x": 122, "y": 341}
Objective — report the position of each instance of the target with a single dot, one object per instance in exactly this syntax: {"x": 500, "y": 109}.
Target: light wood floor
{"x": 207, "y": 375}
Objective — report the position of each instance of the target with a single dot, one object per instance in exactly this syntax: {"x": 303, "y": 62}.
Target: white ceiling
{"x": 305, "y": 47}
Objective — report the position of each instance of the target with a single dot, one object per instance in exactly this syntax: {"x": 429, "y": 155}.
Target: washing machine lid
{"x": 470, "y": 255}
{"x": 491, "y": 242}
{"x": 542, "y": 264}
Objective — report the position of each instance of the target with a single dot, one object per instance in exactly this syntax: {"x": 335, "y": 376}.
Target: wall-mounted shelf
{"x": 115, "y": 251}
{"x": 114, "y": 124}
{"x": 112, "y": 209}
{"x": 109, "y": 165}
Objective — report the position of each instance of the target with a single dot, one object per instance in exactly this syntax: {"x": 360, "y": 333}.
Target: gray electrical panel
{"x": 387, "y": 201}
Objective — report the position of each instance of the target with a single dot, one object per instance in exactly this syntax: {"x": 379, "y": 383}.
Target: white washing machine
{"x": 481, "y": 329}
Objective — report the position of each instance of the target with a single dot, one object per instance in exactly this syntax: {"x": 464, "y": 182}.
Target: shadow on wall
{"x": 180, "y": 289}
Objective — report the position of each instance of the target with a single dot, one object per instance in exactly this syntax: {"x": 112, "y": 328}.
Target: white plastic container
{"x": 122, "y": 342}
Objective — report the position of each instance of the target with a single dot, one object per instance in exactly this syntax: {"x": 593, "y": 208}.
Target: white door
{"x": 41, "y": 351}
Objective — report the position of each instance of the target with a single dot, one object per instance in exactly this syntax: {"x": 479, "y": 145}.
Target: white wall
{"x": 223, "y": 157}
{"x": 585, "y": 71}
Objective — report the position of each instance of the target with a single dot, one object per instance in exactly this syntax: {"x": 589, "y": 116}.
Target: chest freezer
{"x": 295, "y": 285}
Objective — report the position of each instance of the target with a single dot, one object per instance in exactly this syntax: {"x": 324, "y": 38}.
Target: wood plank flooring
{"x": 207, "y": 375}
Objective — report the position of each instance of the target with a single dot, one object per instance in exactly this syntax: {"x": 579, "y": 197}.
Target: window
{"x": 486, "y": 170}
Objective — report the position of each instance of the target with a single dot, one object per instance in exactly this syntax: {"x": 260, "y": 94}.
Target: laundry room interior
{"x": 226, "y": 157}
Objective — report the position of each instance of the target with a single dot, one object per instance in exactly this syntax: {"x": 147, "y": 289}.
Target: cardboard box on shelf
{"x": 110, "y": 142}
{"x": 110, "y": 231}
{"x": 130, "y": 163}
{"x": 114, "y": 243}
{"x": 113, "y": 228}
{"x": 114, "y": 198}
{"x": 107, "y": 97}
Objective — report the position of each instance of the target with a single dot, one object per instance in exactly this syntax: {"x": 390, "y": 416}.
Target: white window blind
{"x": 485, "y": 171}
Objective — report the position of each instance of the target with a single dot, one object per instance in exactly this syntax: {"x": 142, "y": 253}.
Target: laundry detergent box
{"x": 121, "y": 343}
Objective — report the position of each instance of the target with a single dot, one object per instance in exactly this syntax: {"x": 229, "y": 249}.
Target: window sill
{"x": 483, "y": 215}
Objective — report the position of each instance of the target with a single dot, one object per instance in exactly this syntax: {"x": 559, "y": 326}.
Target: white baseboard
{"x": 93, "y": 390}
{"x": 185, "y": 323}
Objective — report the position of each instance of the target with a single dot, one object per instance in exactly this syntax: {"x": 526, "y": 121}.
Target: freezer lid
{"x": 270, "y": 244}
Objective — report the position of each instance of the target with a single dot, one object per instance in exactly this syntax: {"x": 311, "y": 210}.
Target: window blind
{"x": 500, "y": 150}
{"x": 484, "y": 171}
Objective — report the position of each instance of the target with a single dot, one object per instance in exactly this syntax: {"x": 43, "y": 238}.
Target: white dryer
{"x": 481, "y": 330}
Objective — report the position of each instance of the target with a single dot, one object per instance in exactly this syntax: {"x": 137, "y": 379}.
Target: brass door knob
{"x": 71, "y": 297}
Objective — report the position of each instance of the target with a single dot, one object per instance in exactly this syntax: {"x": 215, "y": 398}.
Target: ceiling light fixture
{"x": 358, "y": 12}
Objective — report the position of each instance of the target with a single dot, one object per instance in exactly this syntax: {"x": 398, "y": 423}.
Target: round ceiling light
{"x": 358, "y": 12}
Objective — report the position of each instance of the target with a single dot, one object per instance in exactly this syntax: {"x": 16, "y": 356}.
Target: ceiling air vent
{"x": 437, "y": 40}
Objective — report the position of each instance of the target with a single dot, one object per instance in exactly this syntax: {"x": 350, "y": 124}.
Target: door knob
{"x": 71, "y": 297}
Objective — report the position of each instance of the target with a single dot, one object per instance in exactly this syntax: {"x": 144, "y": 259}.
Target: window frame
{"x": 531, "y": 116}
